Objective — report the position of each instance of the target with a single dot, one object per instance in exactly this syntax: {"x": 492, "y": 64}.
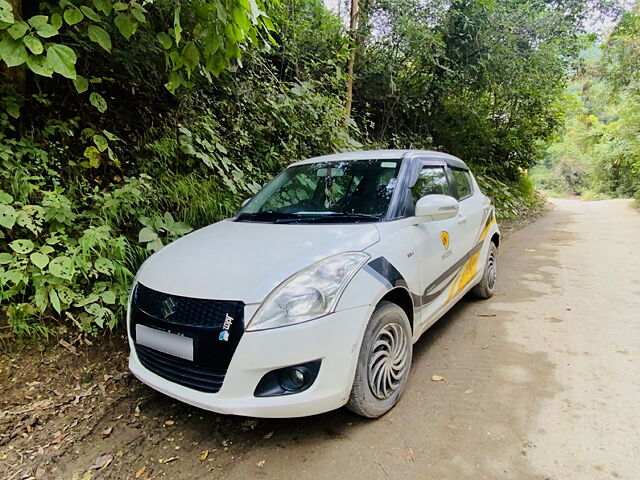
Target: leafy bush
{"x": 512, "y": 199}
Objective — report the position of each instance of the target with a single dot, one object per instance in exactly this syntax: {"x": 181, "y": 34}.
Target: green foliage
{"x": 54, "y": 261}
{"x": 203, "y": 38}
{"x": 160, "y": 230}
{"x": 599, "y": 152}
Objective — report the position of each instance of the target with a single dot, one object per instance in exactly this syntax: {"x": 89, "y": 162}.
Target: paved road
{"x": 542, "y": 381}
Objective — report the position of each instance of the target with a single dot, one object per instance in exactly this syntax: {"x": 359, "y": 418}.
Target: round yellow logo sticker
{"x": 444, "y": 236}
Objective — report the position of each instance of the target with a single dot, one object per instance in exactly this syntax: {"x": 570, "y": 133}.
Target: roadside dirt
{"x": 540, "y": 382}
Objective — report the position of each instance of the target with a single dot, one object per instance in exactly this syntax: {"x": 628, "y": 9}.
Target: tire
{"x": 376, "y": 389}
{"x": 487, "y": 285}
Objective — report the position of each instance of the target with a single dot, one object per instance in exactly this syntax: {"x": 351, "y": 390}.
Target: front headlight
{"x": 310, "y": 293}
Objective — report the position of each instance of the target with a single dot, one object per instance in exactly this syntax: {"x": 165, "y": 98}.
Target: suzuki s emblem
{"x": 224, "y": 333}
{"x": 444, "y": 236}
{"x": 168, "y": 307}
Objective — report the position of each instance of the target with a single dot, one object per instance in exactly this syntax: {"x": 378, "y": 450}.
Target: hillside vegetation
{"x": 125, "y": 125}
{"x": 597, "y": 153}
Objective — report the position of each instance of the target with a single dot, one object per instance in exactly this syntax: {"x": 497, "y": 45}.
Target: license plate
{"x": 170, "y": 343}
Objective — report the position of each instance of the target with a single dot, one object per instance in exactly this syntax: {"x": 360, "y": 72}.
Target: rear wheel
{"x": 383, "y": 363}
{"x": 487, "y": 285}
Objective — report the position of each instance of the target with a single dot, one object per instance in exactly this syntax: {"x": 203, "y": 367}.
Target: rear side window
{"x": 463, "y": 183}
{"x": 431, "y": 180}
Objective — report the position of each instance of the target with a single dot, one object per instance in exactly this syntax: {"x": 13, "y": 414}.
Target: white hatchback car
{"x": 312, "y": 296}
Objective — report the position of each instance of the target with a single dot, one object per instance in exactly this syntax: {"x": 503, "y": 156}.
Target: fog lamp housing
{"x": 288, "y": 380}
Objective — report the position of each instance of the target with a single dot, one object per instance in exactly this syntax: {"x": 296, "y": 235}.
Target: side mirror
{"x": 431, "y": 208}
{"x": 245, "y": 202}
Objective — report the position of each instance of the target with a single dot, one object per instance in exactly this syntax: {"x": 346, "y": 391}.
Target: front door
{"x": 437, "y": 246}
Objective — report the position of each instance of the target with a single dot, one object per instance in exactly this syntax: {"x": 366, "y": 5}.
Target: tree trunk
{"x": 353, "y": 28}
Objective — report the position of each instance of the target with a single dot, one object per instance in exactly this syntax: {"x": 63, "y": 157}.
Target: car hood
{"x": 245, "y": 261}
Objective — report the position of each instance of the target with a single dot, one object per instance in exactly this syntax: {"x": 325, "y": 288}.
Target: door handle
{"x": 462, "y": 219}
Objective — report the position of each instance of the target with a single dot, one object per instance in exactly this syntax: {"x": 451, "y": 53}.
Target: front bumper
{"x": 335, "y": 339}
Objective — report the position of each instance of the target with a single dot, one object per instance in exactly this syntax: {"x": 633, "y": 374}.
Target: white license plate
{"x": 165, "y": 342}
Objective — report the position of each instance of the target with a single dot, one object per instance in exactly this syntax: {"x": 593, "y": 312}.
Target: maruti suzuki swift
{"x": 313, "y": 295}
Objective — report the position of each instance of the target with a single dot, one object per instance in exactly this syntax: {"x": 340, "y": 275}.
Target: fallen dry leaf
{"x": 140, "y": 472}
{"x": 59, "y": 438}
{"x": 269, "y": 435}
{"x": 204, "y": 455}
{"x": 68, "y": 346}
{"x": 468, "y": 391}
{"x": 437, "y": 378}
{"x": 167, "y": 460}
{"x": 107, "y": 431}
{"x": 102, "y": 462}
{"x": 261, "y": 463}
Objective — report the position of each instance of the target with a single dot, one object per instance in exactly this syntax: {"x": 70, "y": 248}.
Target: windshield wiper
{"x": 268, "y": 216}
{"x": 344, "y": 216}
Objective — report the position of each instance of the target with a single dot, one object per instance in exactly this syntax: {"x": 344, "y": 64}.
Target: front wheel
{"x": 383, "y": 363}
{"x": 487, "y": 285}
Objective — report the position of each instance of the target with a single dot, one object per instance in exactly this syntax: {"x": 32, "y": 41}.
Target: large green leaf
{"x": 56, "y": 21}
{"x": 100, "y": 142}
{"x": 13, "y": 52}
{"x": 165, "y": 40}
{"x": 191, "y": 56}
{"x": 81, "y": 84}
{"x": 73, "y": 16}
{"x": 98, "y": 101}
{"x": 90, "y": 14}
{"x": 6, "y": 12}
{"x": 40, "y": 260}
{"x": 62, "y": 267}
{"x": 105, "y": 6}
{"x": 93, "y": 154}
{"x": 100, "y": 36}
{"x": 7, "y": 216}
{"x": 5, "y": 258}
{"x": 33, "y": 44}
{"x": 126, "y": 26}
{"x": 38, "y": 21}
{"x": 55, "y": 301}
{"x": 17, "y": 30}
{"x": 22, "y": 246}
{"x": 41, "y": 298}
{"x": 62, "y": 60}
{"x": 147, "y": 235}
{"x": 104, "y": 265}
{"x": 47, "y": 30}
{"x": 108, "y": 297}
{"x": 40, "y": 65}
{"x": 66, "y": 295}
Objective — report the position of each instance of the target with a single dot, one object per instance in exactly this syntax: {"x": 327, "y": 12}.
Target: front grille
{"x": 194, "y": 312}
{"x": 181, "y": 371}
{"x": 214, "y": 343}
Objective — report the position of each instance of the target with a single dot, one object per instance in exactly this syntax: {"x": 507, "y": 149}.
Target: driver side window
{"x": 432, "y": 180}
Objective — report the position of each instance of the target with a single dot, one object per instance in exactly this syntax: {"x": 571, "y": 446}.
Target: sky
{"x": 600, "y": 26}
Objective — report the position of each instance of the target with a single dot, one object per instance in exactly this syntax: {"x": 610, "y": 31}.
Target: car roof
{"x": 386, "y": 155}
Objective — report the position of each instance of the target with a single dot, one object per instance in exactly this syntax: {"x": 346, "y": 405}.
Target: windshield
{"x": 348, "y": 191}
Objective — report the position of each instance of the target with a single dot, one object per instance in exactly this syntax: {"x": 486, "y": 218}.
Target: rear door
{"x": 471, "y": 207}
{"x": 469, "y": 220}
